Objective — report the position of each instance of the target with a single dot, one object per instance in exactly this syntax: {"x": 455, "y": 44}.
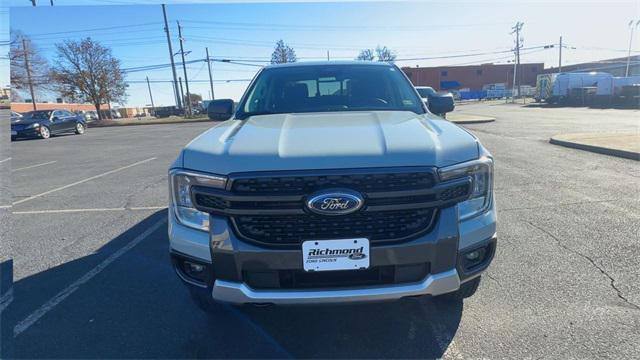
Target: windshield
{"x": 320, "y": 88}
{"x": 425, "y": 91}
{"x": 39, "y": 115}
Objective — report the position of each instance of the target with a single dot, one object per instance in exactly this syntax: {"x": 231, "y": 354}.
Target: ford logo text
{"x": 335, "y": 202}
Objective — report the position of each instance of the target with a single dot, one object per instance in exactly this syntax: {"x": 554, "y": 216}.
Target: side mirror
{"x": 220, "y": 109}
{"x": 55, "y": 118}
{"x": 441, "y": 105}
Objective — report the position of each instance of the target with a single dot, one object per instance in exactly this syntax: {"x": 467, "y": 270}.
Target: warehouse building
{"x": 616, "y": 67}
{"x": 472, "y": 77}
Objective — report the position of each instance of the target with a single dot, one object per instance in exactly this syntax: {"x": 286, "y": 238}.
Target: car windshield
{"x": 425, "y": 91}
{"x": 320, "y": 88}
{"x": 39, "y": 115}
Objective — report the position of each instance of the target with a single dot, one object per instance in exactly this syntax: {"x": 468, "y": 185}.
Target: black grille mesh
{"x": 298, "y": 185}
{"x": 294, "y": 229}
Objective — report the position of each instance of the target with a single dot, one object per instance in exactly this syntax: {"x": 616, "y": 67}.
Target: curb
{"x": 597, "y": 149}
{"x": 94, "y": 125}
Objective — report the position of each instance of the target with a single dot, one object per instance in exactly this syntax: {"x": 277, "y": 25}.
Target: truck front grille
{"x": 270, "y": 208}
{"x": 365, "y": 180}
{"x": 379, "y": 226}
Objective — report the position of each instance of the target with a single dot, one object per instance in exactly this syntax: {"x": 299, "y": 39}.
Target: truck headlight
{"x": 481, "y": 173}
{"x": 180, "y": 183}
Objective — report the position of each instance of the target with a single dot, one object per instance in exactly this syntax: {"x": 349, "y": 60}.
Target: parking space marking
{"x": 65, "y": 211}
{"x": 5, "y": 206}
{"x": 6, "y": 299}
{"x": 83, "y": 181}
{"x": 59, "y": 297}
{"x": 34, "y": 166}
{"x": 3, "y": 160}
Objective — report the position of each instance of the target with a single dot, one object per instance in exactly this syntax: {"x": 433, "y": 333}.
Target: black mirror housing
{"x": 441, "y": 105}
{"x": 220, "y": 110}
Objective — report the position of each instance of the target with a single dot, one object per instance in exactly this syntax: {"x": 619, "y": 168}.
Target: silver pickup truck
{"x": 330, "y": 183}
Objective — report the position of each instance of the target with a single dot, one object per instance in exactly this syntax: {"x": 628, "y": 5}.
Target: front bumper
{"x": 240, "y": 293}
{"x": 25, "y": 133}
{"x": 441, "y": 249}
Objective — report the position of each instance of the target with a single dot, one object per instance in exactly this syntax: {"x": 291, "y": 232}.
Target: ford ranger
{"x": 330, "y": 183}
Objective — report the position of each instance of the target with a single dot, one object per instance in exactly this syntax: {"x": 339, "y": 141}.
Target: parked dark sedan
{"x": 44, "y": 123}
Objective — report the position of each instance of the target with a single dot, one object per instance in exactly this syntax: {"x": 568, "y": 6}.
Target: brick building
{"x": 472, "y": 77}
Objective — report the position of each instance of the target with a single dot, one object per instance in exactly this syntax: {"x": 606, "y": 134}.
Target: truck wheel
{"x": 466, "y": 290}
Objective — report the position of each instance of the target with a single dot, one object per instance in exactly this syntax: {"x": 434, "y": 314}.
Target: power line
{"x": 95, "y": 29}
{"x": 273, "y": 26}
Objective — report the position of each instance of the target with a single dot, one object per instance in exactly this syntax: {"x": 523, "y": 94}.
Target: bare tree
{"x": 283, "y": 54}
{"x": 366, "y": 55}
{"x": 87, "y": 71}
{"x": 38, "y": 66}
{"x": 381, "y": 53}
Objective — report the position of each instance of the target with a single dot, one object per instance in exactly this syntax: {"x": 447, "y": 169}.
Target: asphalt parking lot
{"x": 92, "y": 277}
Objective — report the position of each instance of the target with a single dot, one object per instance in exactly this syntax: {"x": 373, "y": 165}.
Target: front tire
{"x": 466, "y": 290}
{"x": 79, "y": 129}
{"x": 44, "y": 132}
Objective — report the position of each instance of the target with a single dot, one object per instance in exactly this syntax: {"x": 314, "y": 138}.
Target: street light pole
{"x": 184, "y": 68}
{"x": 560, "y": 56}
{"x": 210, "y": 76}
{"x": 631, "y": 29}
{"x": 173, "y": 65}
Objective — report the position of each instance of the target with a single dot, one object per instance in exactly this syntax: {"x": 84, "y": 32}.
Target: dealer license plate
{"x": 328, "y": 255}
{"x": 14, "y": 133}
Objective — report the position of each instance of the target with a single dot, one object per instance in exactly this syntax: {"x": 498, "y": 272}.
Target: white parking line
{"x": 34, "y": 166}
{"x": 6, "y": 299}
{"x": 83, "y": 181}
{"x": 59, "y": 297}
{"x": 3, "y": 160}
{"x": 65, "y": 211}
{"x": 5, "y": 206}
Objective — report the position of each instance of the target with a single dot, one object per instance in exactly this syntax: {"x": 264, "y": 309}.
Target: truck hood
{"x": 329, "y": 140}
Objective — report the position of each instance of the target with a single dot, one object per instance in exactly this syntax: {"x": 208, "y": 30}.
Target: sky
{"x": 247, "y": 31}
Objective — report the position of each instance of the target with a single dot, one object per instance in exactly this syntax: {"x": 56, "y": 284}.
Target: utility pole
{"x": 181, "y": 92}
{"x": 328, "y": 58}
{"x": 153, "y": 106}
{"x": 173, "y": 65}
{"x": 26, "y": 65}
{"x": 631, "y": 29}
{"x": 560, "y": 56}
{"x": 33, "y": 2}
{"x": 51, "y": 2}
{"x": 210, "y": 76}
{"x": 184, "y": 68}
{"x": 516, "y": 29}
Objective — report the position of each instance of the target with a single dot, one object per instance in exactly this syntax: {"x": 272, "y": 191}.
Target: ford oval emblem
{"x": 335, "y": 202}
